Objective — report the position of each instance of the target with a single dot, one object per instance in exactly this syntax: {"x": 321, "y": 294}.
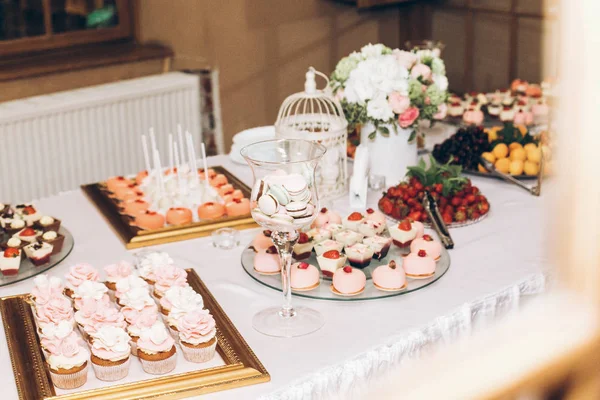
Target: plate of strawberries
{"x": 460, "y": 203}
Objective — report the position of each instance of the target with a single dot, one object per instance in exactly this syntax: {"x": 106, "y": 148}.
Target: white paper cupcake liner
{"x": 113, "y": 372}
{"x": 134, "y": 348}
{"x": 174, "y": 333}
{"x": 199, "y": 354}
{"x": 159, "y": 367}
{"x": 69, "y": 381}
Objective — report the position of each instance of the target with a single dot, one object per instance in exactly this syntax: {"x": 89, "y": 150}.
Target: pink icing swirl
{"x": 104, "y": 317}
{"x": 53, "y": 344}
{"x": 56, "y": 310}
{"x": 46, "y": 288}
{"x": 168, "y": 276}
{"x": 196, "y": 327}
{"x": 80, "y": 273}
{"x": 87, "y": 310}
{"x": 131, "y": 314}
{"x": 67, "y": 347}
{"x": 114, "y": 272}
{"x": 155, "y": 339}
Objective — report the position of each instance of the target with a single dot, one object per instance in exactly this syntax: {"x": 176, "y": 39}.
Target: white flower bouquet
{"x": 391, "y": 87}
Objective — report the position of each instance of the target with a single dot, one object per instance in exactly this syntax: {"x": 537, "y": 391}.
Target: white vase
{"x": 389, "y": 155}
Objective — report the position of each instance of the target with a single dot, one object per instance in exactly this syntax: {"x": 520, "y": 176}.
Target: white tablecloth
{"x": 494, "y": 263}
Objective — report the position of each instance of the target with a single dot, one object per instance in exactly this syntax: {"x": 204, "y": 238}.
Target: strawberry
{"x": 475, "y": 215}
{"x": 411, "y": 202}
{"x": 415, "y": 216}
{"x": 348, "y": 269}
{"x": 397, "y": 211}
{"x": 386, "y": 205}
{"x": 447, "y": 218}
{"x": 28, "y": 232}
{"x": 483, "y": 207}
{"x": 420, "y": 195}
{"x": 355, "y": 216}
{"x": 267, "y": 233}
{"x": 405, "y": 225}
{"x": 448, "y": 210}
{"x": 443, "y": 201}
{"x": 422, "y": 253}
{"x": 237, "y": 201}
{"x": 427, "y": 238}
{"x": 303, "y": 265}
{"x": 370, "y": 211}
{"x": 479, "y": 198}
{"x": 11, "y": 252}
{"x": 323, "y": 210}
{"x": 474, "y": 190}
{"x": 332, "y": 254}
{"x": 418, "y": 207}
{"x": 303, "y": 238}
{"x": 470, "y": 198}
{"x": 438, "y": 187}
{"x": 418, "y": 185}
{"x": 464, "y": 202}
{"x": 412, "y": 192}
{"x": 271, "y": 250}
{"x": 456, "y": 201}
{"x": 460, "y": 216}
{"x": 29, "y": 210}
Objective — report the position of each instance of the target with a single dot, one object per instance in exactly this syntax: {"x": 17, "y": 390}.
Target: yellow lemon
{"x": 515, "y": 145}
{"x": 503, "y": 165}
{"x": 480, "y": 168}
{"x": 531, "y": 168}
{"x": 534, "y": 155}
{"x": 492, "y": 135}
{"x": 547, "y": 153}
{"x": 522, "y": 129}
{"x": 530, "y": 146}
{"x": 501, "y": 150}
{"x": 518, "y": 154}
{"x": 489, "y": 156}
{"x": 516, "y": 167}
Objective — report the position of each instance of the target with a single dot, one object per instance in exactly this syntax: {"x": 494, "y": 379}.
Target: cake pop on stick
{"x": 180, "y": 141}
{"x": 146, "y": 155}
{"x": 171, "y": 154}
{"x": 204, "y": 164}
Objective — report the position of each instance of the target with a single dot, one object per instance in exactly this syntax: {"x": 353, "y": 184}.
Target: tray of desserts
{"x": 146, "y": 210}
{"x": 358, "y": 257}
{"x": 30, "y": 242}
{"x": 127, "y": 335}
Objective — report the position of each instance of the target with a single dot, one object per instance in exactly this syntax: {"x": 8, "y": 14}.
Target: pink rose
{"x": 116, "y": 271}
{"x": 168, "y": 276}
{"x": 82, "y": 272}
{"x": 69, "y": 347}
{"x": 421, "y": 70}
{"x": 145, "y": 319}
{"x": 409, "y": 116}
{"x": 105, "y": 316}
{"x": 398, "y": 103}
{"x": 131, "y": 314}
{"x": 442, "y": 111}
{"x": 56, "y": 310}
{"x": 195, "y": 325}
{"x": 405, "y": 58}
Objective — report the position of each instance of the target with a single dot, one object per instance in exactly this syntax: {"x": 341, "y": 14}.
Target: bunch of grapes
{"x": 463, "y": 148}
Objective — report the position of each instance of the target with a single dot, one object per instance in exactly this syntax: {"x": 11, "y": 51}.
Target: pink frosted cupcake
{"x": 110, "y": 353}
{"x": 198, "y": 336}
{"x": 46, "y": 288}
{"x": 177, "y": 296}
{"x": 179, "y": 308}
{"x": 53, "y": 333}
{"x": 135, "y": 302}
{"x": 54, "y": 311}
{"x": 114, "y": 272}
{"x": 168, "y": 276}
{"x": 78, "y": 274}
{"x": 156, "y": 350}
{"x": 140, "y": 322}
{"x": 68, "y": 362}
{"x": 124, "y": 285}
{"x": 149, "y": 262}
{"x": 86, "y": 311}
{"x": 90, "y": 291}
{"x": 104, "y": 316}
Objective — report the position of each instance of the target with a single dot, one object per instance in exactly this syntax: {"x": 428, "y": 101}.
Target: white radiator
{"x": 57, "y": 142}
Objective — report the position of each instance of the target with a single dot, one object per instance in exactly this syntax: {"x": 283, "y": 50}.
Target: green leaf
{"x": 372, "y": 135}
{"x": 384, "y": 131}
{"x": 412, "y": 136}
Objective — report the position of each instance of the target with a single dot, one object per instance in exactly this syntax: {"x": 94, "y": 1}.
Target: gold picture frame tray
{"x": 134, "y": 237}
{"x": 32, "y": 376}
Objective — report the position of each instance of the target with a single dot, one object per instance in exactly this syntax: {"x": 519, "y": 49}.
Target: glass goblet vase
{"x": 284, "y": 199}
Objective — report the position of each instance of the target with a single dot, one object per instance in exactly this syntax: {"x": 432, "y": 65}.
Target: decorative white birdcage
{"x": 316, "y": 115}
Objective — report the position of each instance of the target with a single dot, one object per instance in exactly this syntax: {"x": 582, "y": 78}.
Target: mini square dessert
{"x": 10, "y": 261}
{"x": 359, "y": 255}
{"x": 47, "y": 223}
{"x": 330, "y": 261}
{"x": 317, "y": 235}
{"x": 370, "y": 228}
{"x": 13, "y": 225}
{"x": 353, "y": 221}
{"x": 380, "y": 246}
{"x": 13, "y": 242}
{"x": 29, "y": 235}
{"x": 348, "y": 237}
{"x": 403, "y": 234}
{"x": 28, "y": 213}
{"x": 327, "y": 245}
{"x": 38, "y": 253}
{"x": 55, "y": 239}
{"x": 303, "y": 247}
{"x": 334, "y": 228}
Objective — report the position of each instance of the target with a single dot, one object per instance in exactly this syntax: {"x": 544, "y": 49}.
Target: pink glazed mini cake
{"x": 432, "y": 247}
{"x": 419, "y": 265}
{"x": 304, "y": 276}
{"x": 389, "y": 278}
{"x": 267, "y": 262}
{"x": 348, "y": 281}
{"x": 325, "y": 217}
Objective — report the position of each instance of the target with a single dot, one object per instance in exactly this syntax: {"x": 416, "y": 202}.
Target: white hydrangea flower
{"x": 372, "y": 50}
{"x": 438, "y": 67}
{"x": 441, "y": 81}
{"x": 379, "y": 108}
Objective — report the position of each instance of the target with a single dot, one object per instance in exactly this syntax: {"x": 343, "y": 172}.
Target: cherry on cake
{"x": 348, "y": 281}
{"x": 390, "y": 277}
{"x": 303, "y": 247}
{"x": 330, "y": 261}
{"x": 304, "y": 276}
{"x": 431, "y": 246}
{"x": 419, "y": 265}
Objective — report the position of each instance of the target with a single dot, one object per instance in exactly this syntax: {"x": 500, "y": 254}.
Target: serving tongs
{"x": 437, "y": 222}
{"x": 534, "y": 190}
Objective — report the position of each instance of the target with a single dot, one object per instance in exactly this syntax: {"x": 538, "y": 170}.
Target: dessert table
{"x": 495, "y": 262}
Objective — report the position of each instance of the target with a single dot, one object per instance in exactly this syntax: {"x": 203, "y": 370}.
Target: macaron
{"x": 295, "y": 184}
{"x": 283, "y": 218}
{"x": 268, "y": 204}
{"x": 304, "y": 196}
{"x": 259, "y": 189}
{"x": 296, "y": 209}
{"x": 280, "y": 194}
